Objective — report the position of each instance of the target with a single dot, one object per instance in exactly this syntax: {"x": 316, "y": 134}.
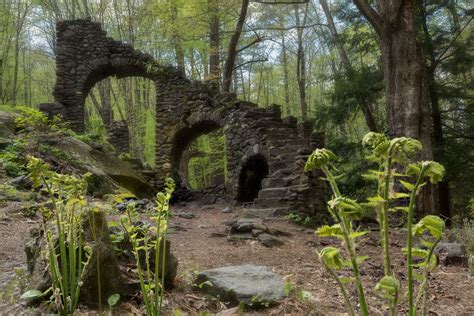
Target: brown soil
{"x": 451, "y": 289}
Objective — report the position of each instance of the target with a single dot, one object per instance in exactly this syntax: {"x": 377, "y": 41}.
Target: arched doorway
{"x": 199, "y": 150}
{"x": 123, "y": 111}
{"x": 253, "y": 171}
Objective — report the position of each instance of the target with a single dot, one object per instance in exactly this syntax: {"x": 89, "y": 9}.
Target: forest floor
{"x": 197, "y": 248}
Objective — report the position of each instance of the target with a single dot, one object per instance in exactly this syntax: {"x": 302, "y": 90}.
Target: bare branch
{"x": 370, "y": 14}
{"x": 281, "y": 2}
{"x": 253, "y": 61}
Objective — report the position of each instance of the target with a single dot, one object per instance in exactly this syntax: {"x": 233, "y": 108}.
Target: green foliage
{"x": 149, "y": 239}
{"x": 208, "y": 160}
{"x": 305, "y": 219}
{"x": 67, "y": 254}
{"x": 12, "y": 158}
{"x": 33, "y": 119}
{"x": 429, "y": 230}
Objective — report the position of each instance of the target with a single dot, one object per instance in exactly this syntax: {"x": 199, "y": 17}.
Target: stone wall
{"x": 185, "y": 110}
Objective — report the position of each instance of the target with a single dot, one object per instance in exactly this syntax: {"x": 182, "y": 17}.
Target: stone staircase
{"x": 287, "y": 187}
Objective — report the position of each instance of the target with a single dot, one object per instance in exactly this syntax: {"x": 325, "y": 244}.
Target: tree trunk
{"x": 232, "y": 49}
{"x": 214, "y": 42}
{"x": 301, "y": 65}
{"x": 284, "y": 59}
{"x": 406, "y": 85}
{"x": 438, "y": 138}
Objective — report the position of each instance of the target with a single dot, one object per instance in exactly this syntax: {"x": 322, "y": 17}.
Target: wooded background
{"x": 401, "y": 67}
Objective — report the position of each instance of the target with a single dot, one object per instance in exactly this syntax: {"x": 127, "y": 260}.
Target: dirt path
{"x": 201, "y": 243}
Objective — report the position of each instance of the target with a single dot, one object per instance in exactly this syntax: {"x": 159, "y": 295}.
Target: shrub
{"x": 390, "y": 156}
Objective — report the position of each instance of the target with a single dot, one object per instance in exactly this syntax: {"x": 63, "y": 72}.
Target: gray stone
{"x": 227, "y": 210}
{"x": 451, "y": 253}
{"x": 247, "y": 284}
{"x": 186, "y": 215}
{"x": 269, "y": 241}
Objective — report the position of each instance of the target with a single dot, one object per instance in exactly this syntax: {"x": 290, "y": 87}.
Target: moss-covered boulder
{"x": 109, "y": 173}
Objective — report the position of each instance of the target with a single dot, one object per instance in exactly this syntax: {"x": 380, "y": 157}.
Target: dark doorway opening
{"x": 254, "y": 170}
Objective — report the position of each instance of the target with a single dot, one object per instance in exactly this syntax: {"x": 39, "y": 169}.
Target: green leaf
{"x": 346, "y": 280}
{"x": 434, "y": 170}
{"x": 431, "y": 223}
{"x": 361, "y": 259}
{"x": 418, "y": 276}
{"x": 389, "y": 286}
{"x": 355, "y": 235}
{"x": 331, "y": 258}
{"x": 407, "y": 185}
{"x": 401, "y": 208}
{"x": 113, "y": 299}
{"x": 31, "y": 294}
{"x": 399, "y": 195}
{"x": 319, "y": 158}
{"x": 330, "y": 231}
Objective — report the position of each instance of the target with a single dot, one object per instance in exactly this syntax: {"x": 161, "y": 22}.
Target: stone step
{"x": 282, "y": 173}
{"x": 275, "y": 182}
{"x": 272, "y": 193}
{"x": 271, "y": 203}
{"x": 267, "y": 212}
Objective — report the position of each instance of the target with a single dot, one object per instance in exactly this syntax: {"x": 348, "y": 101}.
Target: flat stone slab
{"x": 254, "y": 286}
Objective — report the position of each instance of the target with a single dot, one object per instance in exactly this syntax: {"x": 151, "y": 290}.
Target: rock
{"x": 451, "y": 253}
{"x": 243, "y": 225}
{"x": 21, "y": 182}
{"x": 227, "y": 210}
{"x": 207, "y": 207}
{"x": 250, "y": 285}
{"x": 240, "y": 236}
{"x": 269, "y": 240}
{"x": 256, "y": 232}
{"x": 109, "y": 174}
{"x": 103, "y": 264}
{"x": 186, "y": 215}
{"x": 7, "y": 126}
{"x": 218, "y": 235}
{"x": 52, "y": 109}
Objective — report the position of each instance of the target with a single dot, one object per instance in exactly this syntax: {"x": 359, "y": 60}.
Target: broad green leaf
{"x": 331, "y": 258}
{"x": 31, "y": 294}
{"x": 354, "y": 235}
{"x": 388, "y": 285}
{"x": 407, "y": 185}
{"x": 113, "y": 299}
{"x": 330, "y": 231}
{"x": 431, "y": 223}
{"x": 434, "y": 170}
{"x": 399, "y": 195}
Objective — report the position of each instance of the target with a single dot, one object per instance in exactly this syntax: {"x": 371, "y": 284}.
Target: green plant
{"x": 148, "y": 239}
{"x": 387, "y": 154}
{"x": 66, "y": 253}
{"x": 12, "y": 158}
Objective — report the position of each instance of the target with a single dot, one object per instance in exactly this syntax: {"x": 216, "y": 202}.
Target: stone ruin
{"x": 265, "y": 152}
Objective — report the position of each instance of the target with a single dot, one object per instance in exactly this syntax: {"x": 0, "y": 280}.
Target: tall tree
{"x": 406, "y": 85}
{"x": 232, "y": 49}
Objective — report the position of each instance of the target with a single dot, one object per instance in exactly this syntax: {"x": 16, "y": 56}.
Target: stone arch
{"x": 256, "y": 138}
{"x": 185, "y": 136}
{"x": 251, "y": 175}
